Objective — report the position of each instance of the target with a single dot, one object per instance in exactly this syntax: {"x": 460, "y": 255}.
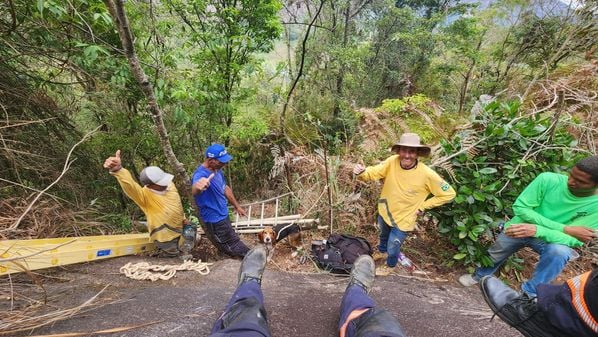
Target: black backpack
{"x": 339, "y": 252}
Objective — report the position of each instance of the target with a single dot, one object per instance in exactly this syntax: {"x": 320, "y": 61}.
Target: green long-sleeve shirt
{"x": 548, "y": 203}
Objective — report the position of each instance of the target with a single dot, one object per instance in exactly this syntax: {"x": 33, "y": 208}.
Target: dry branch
{"x": 66, "y": 167}
{"x": 12, "y": 322}
{"x": 301, "y": 65}
{"x": 33, "y": 189}
{"x": 20, "y": 257}
{"x": 50, "y": 218}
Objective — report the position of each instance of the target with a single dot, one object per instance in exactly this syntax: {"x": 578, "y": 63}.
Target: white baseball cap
{"x": 155, "y": 175}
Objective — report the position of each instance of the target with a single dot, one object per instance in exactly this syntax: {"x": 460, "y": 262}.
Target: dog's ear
{"x": 260, "y": 236}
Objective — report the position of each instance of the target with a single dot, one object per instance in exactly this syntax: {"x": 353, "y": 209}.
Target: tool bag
{"x": 339, "y": 252}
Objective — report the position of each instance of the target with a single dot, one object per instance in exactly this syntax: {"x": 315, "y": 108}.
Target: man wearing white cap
{"x": 158, "y": 199}
{"x": 407, "y": 186}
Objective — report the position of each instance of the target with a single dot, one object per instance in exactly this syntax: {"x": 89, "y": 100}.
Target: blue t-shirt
{"x": 212, "y": 203}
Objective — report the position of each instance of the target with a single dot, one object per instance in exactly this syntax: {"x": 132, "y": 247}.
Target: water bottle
{"x": 406, "y": 262}
{"x": 189, "y": 232}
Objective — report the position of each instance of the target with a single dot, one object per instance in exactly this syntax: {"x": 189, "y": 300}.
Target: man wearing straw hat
{"x": 407, "y": 185}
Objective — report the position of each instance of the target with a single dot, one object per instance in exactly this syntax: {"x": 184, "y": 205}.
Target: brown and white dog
{"x": 270, "y": 236}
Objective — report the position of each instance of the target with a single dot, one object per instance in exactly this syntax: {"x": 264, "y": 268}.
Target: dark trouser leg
{"x": 373, "y": 322}
{"x": 224, "y": 237}
{"x": 355, "y": 298}
{"x": 245, "y": 315}
{"x": 168, "y": 248}
{"x": 208, "y": 232}
{"x": 555, "y": 302}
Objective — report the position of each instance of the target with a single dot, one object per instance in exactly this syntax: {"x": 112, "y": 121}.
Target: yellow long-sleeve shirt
{"x": 162, "y": 209}
{"x": 406, "y": 191}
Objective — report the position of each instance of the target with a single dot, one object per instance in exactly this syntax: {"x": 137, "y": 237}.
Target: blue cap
{"x": 218, "y": 152}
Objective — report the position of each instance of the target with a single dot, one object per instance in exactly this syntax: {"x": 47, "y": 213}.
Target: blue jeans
{"x": 391, "y": 239}
{"x": 553, "y": 258}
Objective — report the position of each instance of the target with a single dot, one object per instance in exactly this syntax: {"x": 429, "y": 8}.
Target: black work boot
{"x": 253, "y": 264}
{"x": 363, "y": 272}
{"x": 519, "y": 311}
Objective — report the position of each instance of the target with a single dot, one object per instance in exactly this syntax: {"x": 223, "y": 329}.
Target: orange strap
{"x": 353, "y": 315}
{"x": 577, "y": 286}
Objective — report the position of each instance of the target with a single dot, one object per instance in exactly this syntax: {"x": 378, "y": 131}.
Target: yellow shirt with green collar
{"x": 163, "y": 210}
{"x": 406, "y": 191}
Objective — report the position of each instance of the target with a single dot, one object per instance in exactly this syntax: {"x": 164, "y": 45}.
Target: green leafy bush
{"x": 500, "y": 155}
{"x": 420, "y": 114}
{"x": 401, "y": 106}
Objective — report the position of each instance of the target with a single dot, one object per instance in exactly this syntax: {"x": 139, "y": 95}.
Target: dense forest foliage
{"x": 299, "y": 90}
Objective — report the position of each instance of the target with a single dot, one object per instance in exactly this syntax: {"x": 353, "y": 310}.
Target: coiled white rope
{"x": 145, "y": 271}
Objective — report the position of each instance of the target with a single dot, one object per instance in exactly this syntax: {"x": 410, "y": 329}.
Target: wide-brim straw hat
{"x": 412, "y": 140}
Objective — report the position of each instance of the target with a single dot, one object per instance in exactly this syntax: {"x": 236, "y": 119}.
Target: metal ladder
{"x": 248, "y": 225}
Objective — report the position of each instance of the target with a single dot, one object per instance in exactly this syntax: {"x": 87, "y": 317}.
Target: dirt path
{"x": 298, "y": 304}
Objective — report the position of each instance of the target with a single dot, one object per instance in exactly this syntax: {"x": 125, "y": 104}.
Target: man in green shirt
{"x": 552, "y": 215}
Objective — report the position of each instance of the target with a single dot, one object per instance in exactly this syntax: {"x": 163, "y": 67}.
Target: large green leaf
{"x": 40, "y": 7}
{"x": 459, "y": 256}
{"x": 488, "y": 170}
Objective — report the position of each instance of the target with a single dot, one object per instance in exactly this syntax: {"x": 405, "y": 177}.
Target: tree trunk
{"x": 117, "y": 11}
{"x": 287, "y": 40}
{"x": 467, "y": 79}
{"x": 340, "y": 78}
{"x": 300, "y": 70}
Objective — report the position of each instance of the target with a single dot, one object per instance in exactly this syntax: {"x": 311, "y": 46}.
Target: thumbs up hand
{"x": 203, "y": 183}
{"x": 113, "y": 164}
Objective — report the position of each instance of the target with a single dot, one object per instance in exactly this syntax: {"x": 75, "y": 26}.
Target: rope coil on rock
{"x": 145, "y": 271}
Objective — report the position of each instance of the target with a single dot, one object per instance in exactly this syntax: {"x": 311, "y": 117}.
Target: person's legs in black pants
{"x": 245, "y": 315}
{"x": 223, "y": 236}
{"x": 359, "y": 316}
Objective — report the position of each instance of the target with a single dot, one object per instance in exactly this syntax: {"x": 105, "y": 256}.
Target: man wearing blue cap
{"x": 211, "y": 194}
